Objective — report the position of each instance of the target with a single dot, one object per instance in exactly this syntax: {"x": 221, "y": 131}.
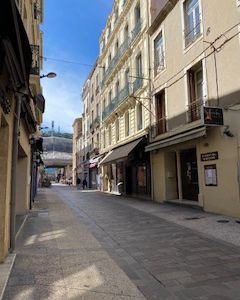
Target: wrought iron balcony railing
{"x": 121, "y": 51}
{"x": 195, "y": 111}
{"x": 192, "y": 33}
{"x": 116, "y": 101}
{"x": 137, "y": 84}
{"x": 136, "y": 29}
{"x": 35, "y": 68}
{"x": 96, "y": 122}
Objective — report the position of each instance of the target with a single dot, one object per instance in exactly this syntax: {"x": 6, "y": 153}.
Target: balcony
{"x": 96, "y": 122}
{"x": 191, "y": 117}
{"x": 37, "y": 10}
{"x": 137, "y": 84}
{"x": 97, "y": 91}
{"x": 195, "y": 110}
{"x": 91, "y": 127}
{"x": 136, "y": 29}
{"x": 123, "y": 94}
{"x": 35, "y": 68}
{"x": 121, "y": 51}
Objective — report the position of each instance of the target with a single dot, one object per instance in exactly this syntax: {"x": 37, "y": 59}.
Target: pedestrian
{"x": 84, "y": 183}
{"x": 78, "y": 183}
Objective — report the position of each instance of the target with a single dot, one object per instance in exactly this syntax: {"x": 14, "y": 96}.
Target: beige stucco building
{"x": 77, "y": 141}
{"x": 195, "y": 69}
{"x": 20, "y": 111}
{"x": 125, "y": 101}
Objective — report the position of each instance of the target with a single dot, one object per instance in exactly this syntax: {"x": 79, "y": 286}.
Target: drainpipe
{"x": 150, "y": 96}
{"x": 14, "y": 171}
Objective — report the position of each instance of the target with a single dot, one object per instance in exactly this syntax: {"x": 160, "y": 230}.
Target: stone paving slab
{"x": 5, "y": 270}
{"x": 58, "y": 258}
{"x": 164, "y": 259}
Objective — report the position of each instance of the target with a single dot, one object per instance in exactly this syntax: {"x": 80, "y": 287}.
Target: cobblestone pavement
{"x": 165, "y": 260}
{"x": 57, "y": 257}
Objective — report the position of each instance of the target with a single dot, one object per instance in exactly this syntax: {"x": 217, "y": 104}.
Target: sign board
{"x": 213, "y": 116}
{"x": 209, "y": 156}
{"x": 210, "y": 172}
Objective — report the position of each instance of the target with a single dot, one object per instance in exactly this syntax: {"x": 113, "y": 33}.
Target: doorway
{"x": 189, "y": 174}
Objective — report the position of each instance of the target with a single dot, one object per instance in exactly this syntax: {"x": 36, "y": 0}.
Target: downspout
{"x": 150, "y": 97}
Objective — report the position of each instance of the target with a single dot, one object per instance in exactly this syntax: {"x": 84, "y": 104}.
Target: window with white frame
{"x": 192, "y": 19}
{"x": 159, "y": 58}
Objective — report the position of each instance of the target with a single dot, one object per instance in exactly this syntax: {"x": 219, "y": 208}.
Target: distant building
{"x": 77, "y": 150}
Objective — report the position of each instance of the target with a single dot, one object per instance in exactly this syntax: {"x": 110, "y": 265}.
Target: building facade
{"x": 21, "y": 108}
{"x": 77, "y": 138}
{"x": 125, "y": 99}
{"x": 194, "y": 139}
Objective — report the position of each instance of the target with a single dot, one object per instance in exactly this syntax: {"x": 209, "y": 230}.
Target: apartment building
{"x": 21, "y": 108}
{"x": 125, "y": 99}
{"x": 77, "y": 142}
{"x": 195, "y": 69}
{"x": 94, "y": 127}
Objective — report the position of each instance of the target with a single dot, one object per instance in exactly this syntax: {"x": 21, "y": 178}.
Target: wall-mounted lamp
{"x": 49, "y": 75}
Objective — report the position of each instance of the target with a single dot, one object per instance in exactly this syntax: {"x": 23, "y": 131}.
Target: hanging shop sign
{"x": 213, "y": 116}
{"x": 209, "y": 156}
{"x": 210, "y": 172}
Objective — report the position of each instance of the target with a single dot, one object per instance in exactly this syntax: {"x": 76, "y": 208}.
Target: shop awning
{"x": 120, "y": 152}
{"x": 179, "y": 138}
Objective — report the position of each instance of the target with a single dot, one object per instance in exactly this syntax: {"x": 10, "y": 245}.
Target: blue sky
{"x": 71, "y": 32}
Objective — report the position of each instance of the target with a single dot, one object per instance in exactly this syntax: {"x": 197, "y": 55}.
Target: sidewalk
{"x": 58, "y": 258}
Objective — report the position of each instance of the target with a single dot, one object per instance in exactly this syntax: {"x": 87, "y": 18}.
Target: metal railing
{"x": 121, "y": 51}
{"x": 35, "y": 68}
{"x": 136, "y": 29}
{"x": 116, "y": 101}
{"x": 161, "y": 126}
{"x": 192, "y": 33}
{"x": 137, "y": 84}
{"x": 195, "y": 110}
{"x": 96, "y": 122}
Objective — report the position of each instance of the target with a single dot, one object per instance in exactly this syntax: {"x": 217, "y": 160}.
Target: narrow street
{"x": 89, "y": 245}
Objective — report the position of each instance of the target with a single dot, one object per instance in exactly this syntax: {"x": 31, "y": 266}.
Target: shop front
{"x": 126, "y": 170}
{"x": 198, "y": 168}
{"x": 94, "y": 176}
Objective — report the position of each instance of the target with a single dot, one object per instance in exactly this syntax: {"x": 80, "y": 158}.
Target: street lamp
{"x": 49, "y": 75}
